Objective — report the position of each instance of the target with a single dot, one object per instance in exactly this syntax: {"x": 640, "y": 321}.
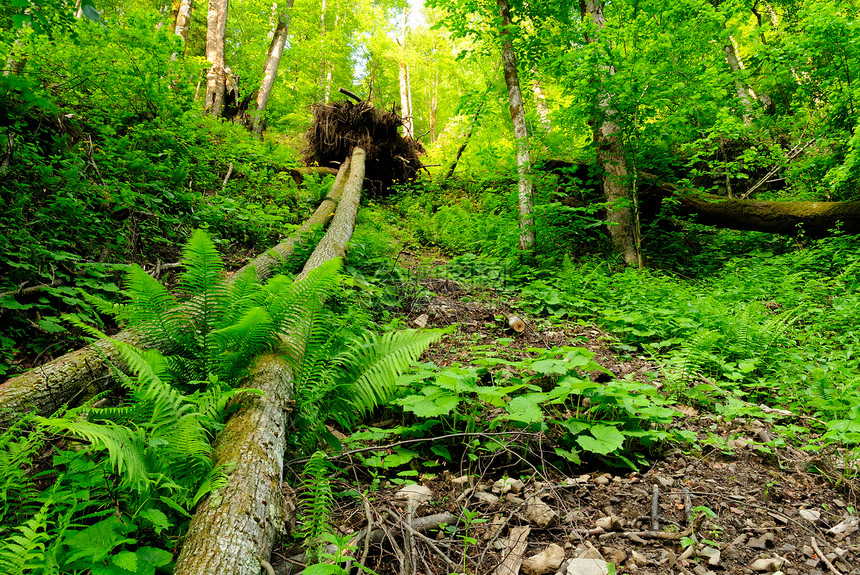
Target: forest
{"x": 423, "y": 288}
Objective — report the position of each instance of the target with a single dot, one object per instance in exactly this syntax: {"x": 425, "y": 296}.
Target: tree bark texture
{"x": 273, "y": 60}
{"x": 623, "y": 231}
{"x": 234, "y": 527}
{"x": 183, "y": 17}
{"x": 816, "y": 219}
{"x": 405, "y": 88}
{"x": 86, "y": 371}
{"x": 735, "y": 65}
{"x": 216, "y": 29}
{"x": 521, "y": 135}
{"x": 334, "y": 242}
{"x": 540, "y": 104}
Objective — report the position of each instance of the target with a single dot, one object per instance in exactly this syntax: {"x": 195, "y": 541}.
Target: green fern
{"x": 27, "y": 548}
{"x": 17, "y": 449}
{"x": 315, "y": 503}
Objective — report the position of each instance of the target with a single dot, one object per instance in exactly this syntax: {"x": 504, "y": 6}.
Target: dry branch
{"x": 47, "y": 387}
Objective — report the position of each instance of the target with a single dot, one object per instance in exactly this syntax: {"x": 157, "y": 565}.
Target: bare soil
{"x": 773, "y": 506}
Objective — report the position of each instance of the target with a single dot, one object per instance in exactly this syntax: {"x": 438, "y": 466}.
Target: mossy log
{"x": 233, "y": 532}
{"x": 85, "y": 371}
{"x": 333, "y": 244}
{"x": 815, "y": 219}
{"x": 298, "y": 174}
{"x": 234, "y": 528}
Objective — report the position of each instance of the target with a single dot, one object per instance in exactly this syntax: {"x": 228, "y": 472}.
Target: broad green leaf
{"x": 525, "y": 408}
{"x": 606, "y": 440}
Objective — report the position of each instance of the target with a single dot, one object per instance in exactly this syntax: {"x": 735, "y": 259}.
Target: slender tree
{"x": 273, "y": 60}
{"x": 183, "y": 17}
{"x": 405, "y": 87}
{"x": 518, "y": 115}
{"x": 623, "y": 228}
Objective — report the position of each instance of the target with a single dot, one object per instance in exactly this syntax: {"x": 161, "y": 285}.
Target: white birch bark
{"x": 521, "y": 135}
{"x": 273, "y": 61}
{"x": 216, "y": 29}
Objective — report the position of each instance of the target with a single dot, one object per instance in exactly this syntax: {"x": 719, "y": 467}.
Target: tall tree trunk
{"x": 434, "y": 104}
{"x": 183, "y": 17}
{"x": 270, "y": 68}
{"x": 323, "y": 98}
{"x": 735, "y": 65}
{"x": 405, "y": 88}
{"x": 623, "y": 228}
{"x": 540, "y": 104}
{"x": 521, "y": 135}
{"x": 462, "y": 147}
{"x": 216, "y": 29}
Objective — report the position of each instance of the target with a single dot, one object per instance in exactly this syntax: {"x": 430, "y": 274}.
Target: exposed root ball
{"x": 341, "y": 126}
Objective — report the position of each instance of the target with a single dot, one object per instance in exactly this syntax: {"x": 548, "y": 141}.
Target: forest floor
{"x": 740, "y": 504}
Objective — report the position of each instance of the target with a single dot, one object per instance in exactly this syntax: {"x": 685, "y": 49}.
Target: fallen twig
{"x": 827, "y": 562}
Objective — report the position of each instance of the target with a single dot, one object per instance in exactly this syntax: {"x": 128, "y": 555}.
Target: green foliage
{"x": 315, "y": 503}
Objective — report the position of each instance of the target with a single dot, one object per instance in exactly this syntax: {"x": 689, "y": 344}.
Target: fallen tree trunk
{"x": 234, "y": 530}
{"x": 298, "y": 174}
{"x": 333, "y": 244}
{"x": 86, "y": 371}
{"x": 815, "y": 219}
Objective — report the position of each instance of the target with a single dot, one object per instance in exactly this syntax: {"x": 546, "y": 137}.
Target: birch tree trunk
{"x": 623, "y": 228}
{"x": 434, "y": 105}
{"x": 405, "y": 88}
{"x": 270, "y": 68}
{"x": 521, "y": 135}
{"x": 234, "y": 528}
{"x": 735, "y": 65}
{"x": 183, "y": 17}
{"x": 86, "y": 371}
{"x": 333, "y": 244}
{"x": 216, "y": 29}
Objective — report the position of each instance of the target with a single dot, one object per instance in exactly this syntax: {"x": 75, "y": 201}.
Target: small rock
{"x": 603, "y": 479}
{"x": 810, "y": 514}
{"x": 812, "y": 563}
{"x": 608, "y": 523}
{"x": 638, "y": 558}
{"x": 461, "y": 481}
{"x": 788, "y": 548}
{"x": 702, "y": 570}
{"x": 486, "y": 497}
{"x": 421, "y": 320}
{"x": 589, "y": 553}
{"x": 586, "y": 567}
{"x": 585, "y": 478}
{"x": 808, "y": 551}
{"x": 768, "y": 564}
{"x": 665, "y": 481}
{"x": 539, "y": 513}
{"x": 668, "y": 558}
{"x": 712, "y": 555}
{"x": 418, "y": 493}
{"x": 503, "y": 486}
{"x": 544, "y": 562}
{"x": 613, "y": 555}
{"x": 740, "y": 539}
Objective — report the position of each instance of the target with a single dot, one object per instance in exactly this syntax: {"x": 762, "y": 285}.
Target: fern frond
{"x": 25, "y": 550}
{"x": 371, "y": 364}
{"x": 289, "y": 301}
{"x": 245, "y": 293}
{"x": 153, "y": 310}
{"x": 240, "y": 342}
{"x": 17, "y": 449}
{"x": 316, "y": 501}
{"x": 124, "y": 445}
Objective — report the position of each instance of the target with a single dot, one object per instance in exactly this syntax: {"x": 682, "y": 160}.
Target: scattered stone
{"x": 766, "y": 541}
{"x": 638, "y": 558}
{"x": 539, "y": 513}
{"x": 503, "y": 486}
{"x": 768, "y": 564}
{"x": 608, "y": 523}
{"x": 586, "y": 567}
{"x": 810, "y": 514}
{"x": 544, "y": 562}
{"x": 711, "y": 554}
{"x": 665, "y": 481}
{"x": 702, "y": 570}
{"x": 589, "y": 553}
{"x": 421, "y": 320}
{"x": 585, "y": 478}
{"x": 461, "y": 481}
{"x": 603, "y": 479}
{"x": 486, "y": 497}
{"x": 418, "y": 493}
{"x": 740, "y": 539}
{"x": 613, "y": 555}
{"x": 808, "y": 551}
